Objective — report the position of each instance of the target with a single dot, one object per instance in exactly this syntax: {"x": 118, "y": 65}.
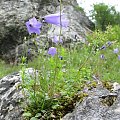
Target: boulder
{"x": 13, "y": 32}
{"x": 10, "y": 98}
{"x": 101, "y": 103}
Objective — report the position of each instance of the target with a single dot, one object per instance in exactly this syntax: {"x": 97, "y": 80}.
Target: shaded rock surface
{"x": 14, "y": 14}
{"x": 101, "y": 104}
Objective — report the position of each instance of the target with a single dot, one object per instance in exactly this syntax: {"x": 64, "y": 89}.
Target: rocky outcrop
{"x": 14, "y": 14}
{"x": 10, "y": 98}
{"x": 100, "y": 103}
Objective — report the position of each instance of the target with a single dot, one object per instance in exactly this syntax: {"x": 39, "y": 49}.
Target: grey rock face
{"x": 14, "y": 14}
{"x": 10, "y": 97}
{"x": 99, "y": 105}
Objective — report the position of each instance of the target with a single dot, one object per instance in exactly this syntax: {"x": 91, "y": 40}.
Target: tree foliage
{"x": 105, "y": 15}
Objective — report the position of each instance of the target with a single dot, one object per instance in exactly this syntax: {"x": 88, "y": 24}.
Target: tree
{"x": 104, "y": 15}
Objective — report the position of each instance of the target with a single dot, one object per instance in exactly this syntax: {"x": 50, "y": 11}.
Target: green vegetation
{"x": 54, "y": 89}
{"x": 105, "y": 15}
{"x": 105, "y": 44}
{"x": 6, "y": 69}
{"x": 78, "y": 8}
{"x": 54, "y": 85}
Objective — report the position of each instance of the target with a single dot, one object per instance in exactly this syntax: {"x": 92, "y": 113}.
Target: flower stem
{"x": 56, "y": 59}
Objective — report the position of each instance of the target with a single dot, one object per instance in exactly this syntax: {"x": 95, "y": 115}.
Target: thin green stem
{"x": 56, "y": 60}
{"x": 60, "y": 19}
{"x": 85, "y": 61}
{"x": 35, "y": 86}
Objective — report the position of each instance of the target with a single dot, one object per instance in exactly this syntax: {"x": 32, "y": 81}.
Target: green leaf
{"x": 55, "y": 106}
{"x": 27, "y": 114}
{"x": 43, "y": 111}
{"x": 33, "y": 118}
{"x": 38, "y": 115}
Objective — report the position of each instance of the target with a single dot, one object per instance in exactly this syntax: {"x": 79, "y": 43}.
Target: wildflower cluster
{"x": 34, "y": 26}
{"x": 42, "y": 87}
{"x": 116, "y": 51}
{"x": 104, "y": 47}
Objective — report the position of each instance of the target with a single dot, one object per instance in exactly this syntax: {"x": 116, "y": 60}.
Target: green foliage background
{"x": 105, "y": 15}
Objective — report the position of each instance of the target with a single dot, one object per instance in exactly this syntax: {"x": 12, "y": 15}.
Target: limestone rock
{"x": 99, "y": 105}
{"x": 14, "y": 14}
{"x": 10, "y": 97}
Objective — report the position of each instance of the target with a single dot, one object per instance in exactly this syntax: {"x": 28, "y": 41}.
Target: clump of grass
{"x": 57, "y": 96}
{"x": 6, "y": 69}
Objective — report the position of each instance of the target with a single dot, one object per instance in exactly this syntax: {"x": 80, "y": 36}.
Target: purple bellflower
{"x": 102, "y": 56}
{"x": 29, "y": 51}
{"x": 109, "y": 43}
{"x": 118, "y": 57}
{"x": 115, "y": 51}
{"x": 52, "y": 51}
{"x": 103, "y": 47}
{"x": 33, "y": 26}
{"x": 55, "y": 19}
{"x": 61, "y": 58}
{"x": 57, "y": 40}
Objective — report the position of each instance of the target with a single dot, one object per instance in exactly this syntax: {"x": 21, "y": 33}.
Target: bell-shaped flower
{"x": 33, "y": 26}
{"x": 102, "y": 56}
{"x": 52, "y": 51}
{"x": 103, "y": 47}
{"x": 61, "y": 57}
{"x": 57, "y": 39}
{"x": 118, "y": 57}
{"x": 56, "y": 19}
{"x": 115, "y": 51}
{"x": 109, "y": 43}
